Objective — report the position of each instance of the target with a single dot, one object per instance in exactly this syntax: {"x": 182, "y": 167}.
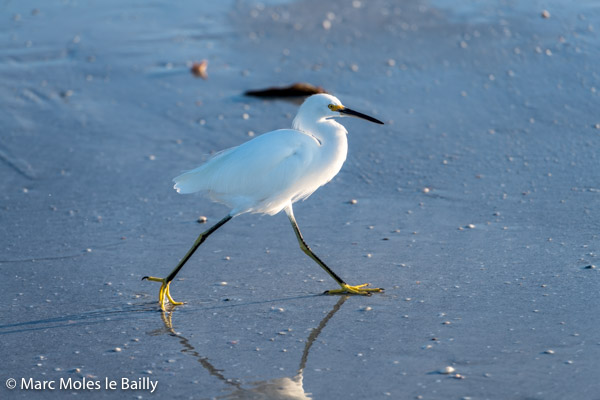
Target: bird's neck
{"x": 333, "y": 147}
{"x": 326, "y": 131}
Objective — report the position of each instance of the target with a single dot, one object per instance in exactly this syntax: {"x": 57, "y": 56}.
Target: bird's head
{"x": 326, "y": 106}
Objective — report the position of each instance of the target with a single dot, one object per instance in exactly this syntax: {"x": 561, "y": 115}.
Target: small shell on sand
{"x": 199, "y": 69}
{"x": 447, "y": 370}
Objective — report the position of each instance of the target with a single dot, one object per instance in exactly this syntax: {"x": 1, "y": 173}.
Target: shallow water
{"x": 477, "y": 202}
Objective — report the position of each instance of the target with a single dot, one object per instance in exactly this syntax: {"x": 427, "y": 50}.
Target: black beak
{"x": 352, "y": 113}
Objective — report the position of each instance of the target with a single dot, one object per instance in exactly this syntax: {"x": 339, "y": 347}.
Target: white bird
{"x": 271, "y": 172}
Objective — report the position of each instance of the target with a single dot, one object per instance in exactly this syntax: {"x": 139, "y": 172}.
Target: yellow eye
{"x": 330, "y": 107}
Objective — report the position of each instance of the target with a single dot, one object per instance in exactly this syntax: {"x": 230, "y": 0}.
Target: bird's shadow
{"x": 111, "y": 314}
{"x": 79, "y": 319}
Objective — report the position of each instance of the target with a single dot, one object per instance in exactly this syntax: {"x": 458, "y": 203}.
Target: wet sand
{"x": 477, "y": 204}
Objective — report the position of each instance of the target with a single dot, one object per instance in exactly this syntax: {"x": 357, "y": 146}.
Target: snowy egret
{"x": 271, "y": 172}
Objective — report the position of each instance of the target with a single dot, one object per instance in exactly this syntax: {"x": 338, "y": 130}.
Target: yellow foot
{"x": 359, "y": 289}
{"x": 163, "y": 292}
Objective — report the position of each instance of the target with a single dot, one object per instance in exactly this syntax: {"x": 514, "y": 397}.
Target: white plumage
{"x": 278, "y": 168}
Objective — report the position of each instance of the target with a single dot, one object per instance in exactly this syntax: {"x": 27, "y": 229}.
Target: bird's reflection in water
{"x": 290, "y": 388}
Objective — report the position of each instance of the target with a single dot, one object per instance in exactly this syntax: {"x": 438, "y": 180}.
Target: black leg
{"x": 197, "y": 244}
{"x": 164, "y": 289}
{"x": 307, "y": 250}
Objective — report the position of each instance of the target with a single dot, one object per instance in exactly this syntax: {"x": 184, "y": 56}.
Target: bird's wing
{"x": 258, "y": 169}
